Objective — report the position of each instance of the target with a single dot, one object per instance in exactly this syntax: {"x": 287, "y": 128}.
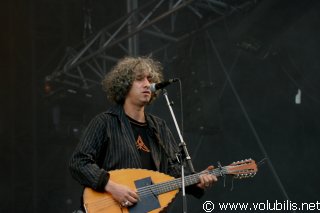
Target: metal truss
{"x": 84, "y": 67}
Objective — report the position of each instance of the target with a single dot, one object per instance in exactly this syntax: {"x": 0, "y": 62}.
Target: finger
{"x": 132, "y": 199}
{"x": 202, "y": 181}
{"x": 214, "y": 178}
{"x": 133, "y": 194}
{"x": 209, "y": 179}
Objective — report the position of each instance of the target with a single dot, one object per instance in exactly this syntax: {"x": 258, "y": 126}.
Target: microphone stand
{"x": 185, "y": 153}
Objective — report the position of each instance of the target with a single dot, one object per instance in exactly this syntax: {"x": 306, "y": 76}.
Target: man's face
{"x": 140, "y": 93}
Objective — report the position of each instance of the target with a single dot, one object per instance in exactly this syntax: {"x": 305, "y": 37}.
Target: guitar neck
{"x": 171, "y": 185}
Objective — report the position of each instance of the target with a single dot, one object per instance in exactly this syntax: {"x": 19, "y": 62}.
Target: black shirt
{"x": 142, "y": 143}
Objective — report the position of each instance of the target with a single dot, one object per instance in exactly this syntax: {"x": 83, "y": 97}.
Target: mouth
{"x": 147, "y": 92}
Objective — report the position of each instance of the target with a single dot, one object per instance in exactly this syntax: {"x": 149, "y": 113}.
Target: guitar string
{"x": 167, "y": 186}
{"x": 171, "y": 185}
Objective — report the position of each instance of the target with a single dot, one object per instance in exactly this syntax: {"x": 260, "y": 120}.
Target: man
{"x": 126, "y": 136}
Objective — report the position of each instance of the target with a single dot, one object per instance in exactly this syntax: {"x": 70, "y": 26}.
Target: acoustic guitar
{"x": 156, "y": 190}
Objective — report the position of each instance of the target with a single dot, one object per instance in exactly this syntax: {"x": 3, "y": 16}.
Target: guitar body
{"x": 156, "y": 190}
{"x": 96, "y": 202}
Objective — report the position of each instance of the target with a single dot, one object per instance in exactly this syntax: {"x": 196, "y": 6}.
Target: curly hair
{"x": 118, "y": 81}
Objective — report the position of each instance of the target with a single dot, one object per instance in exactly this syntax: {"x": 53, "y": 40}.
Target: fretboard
{"x": 171, "y": 185}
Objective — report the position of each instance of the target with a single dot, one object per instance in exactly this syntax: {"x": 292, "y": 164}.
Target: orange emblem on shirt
{"x": 141, "y": 145}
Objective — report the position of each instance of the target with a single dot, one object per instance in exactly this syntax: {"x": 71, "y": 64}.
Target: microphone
{"x": 156, "y": 86}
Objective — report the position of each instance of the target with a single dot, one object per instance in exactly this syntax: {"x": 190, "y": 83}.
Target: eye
{"x": 150, "y": 78}
{"x": 139, "y": 77}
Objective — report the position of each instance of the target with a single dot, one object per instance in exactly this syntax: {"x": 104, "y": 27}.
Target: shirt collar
{"x": 119, "y": 111}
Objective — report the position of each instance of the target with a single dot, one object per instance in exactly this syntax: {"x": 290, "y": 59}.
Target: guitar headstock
{"x": 242, "y": 169}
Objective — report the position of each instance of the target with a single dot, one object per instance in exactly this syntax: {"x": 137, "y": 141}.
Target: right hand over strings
{"x": 121, "y": 193}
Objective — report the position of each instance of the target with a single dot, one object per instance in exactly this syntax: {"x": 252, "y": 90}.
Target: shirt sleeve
{"x": 84, "y": 163}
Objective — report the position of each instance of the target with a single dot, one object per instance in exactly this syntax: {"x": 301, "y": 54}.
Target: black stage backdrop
{"x": 250, "y": 89}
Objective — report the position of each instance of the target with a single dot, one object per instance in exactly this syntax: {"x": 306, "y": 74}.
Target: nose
{"x": 146, "y": 82}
